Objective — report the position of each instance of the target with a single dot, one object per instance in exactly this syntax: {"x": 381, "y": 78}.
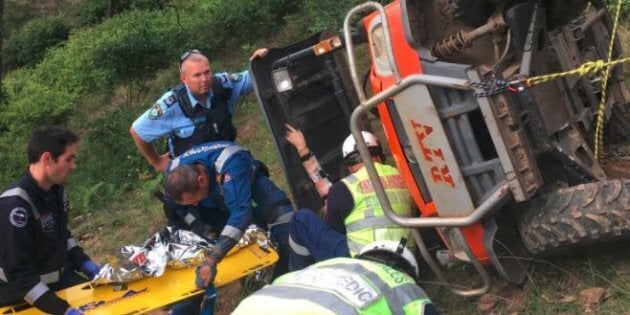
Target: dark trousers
{"x": 68, "y": 278}
{"x": 311, "y": 240}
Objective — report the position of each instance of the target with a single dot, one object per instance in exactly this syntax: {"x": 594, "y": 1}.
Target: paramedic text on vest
{"x": 379, "y": 281}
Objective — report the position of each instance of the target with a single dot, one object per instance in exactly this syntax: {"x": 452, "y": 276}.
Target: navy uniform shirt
{"x": 235, "y": 187}
{"x": 35, "y": 248}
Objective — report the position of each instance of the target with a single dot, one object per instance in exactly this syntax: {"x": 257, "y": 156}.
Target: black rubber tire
{"x": 576, "y": 217}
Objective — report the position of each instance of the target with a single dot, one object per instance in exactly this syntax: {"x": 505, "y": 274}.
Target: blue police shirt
{"x": 166, "y": 116}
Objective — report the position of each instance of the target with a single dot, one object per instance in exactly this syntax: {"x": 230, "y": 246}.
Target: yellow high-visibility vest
{"x": 367, "y": 222}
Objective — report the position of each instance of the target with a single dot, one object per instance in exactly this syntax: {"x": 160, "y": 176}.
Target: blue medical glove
{"x": 73, "y": 311}
{"x": 209, "y": 297}
{"x": 90, "y": 269}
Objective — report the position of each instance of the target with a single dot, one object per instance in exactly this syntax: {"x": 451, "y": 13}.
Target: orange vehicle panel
{"x": 408, "y": 63}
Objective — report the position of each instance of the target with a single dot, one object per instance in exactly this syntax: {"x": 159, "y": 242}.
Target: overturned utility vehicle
{"x": 501, "y": 164}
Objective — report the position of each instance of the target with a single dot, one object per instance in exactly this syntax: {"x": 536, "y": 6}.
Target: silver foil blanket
{"x": 171, "y": 247}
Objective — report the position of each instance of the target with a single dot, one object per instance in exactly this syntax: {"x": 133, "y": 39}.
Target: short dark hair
{"x": 53, "y": 139}
{"x": 181, "y": 180}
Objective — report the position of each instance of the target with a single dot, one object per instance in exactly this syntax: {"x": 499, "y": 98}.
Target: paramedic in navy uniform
{"x": 37, "y": 251}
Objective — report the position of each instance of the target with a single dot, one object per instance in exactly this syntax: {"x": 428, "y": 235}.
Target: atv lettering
{"x": 439, "y": 173}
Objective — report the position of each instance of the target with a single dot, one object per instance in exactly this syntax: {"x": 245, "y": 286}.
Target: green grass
{"x": 552, "y": 286}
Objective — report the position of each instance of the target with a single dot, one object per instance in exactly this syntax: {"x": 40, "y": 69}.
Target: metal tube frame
{"x": 475, "y": 216}
{"x": 350, "y": 47}
{"x": 366, "y": 104}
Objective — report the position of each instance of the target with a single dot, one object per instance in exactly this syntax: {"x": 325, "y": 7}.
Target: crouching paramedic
{"x": 353, "y": 216}
{"x": 379, "y": 281}
{"x": 225, "y": 177}
{"x": 37, "y": 251}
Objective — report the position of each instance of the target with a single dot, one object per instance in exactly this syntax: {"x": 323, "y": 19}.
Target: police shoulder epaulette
{"x": 235, "y": 77}
{"x": 169, "y": 101}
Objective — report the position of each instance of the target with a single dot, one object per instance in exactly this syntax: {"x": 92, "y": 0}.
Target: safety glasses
{"x": 186, "y": 55}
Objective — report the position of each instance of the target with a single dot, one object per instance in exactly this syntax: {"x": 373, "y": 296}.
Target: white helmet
{"x": 350, "y": 145}
{"x": 393, "y": 254}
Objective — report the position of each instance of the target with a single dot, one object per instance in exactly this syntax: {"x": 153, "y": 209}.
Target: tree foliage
{"x": 93, "y": 12}
{"x": 1, "y": 45}
{"x": 16, "y": 14}
{"x": 27, "y": 46}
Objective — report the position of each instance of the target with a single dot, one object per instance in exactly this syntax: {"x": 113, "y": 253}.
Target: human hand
{"x": 90, "y": 269}
{"x": 204, "y": 275}
{"x": 295, "y": 137}
{"x": 259, "y": 53}
{"x": 162, "y": 163}
{"x": 73, "y": 311}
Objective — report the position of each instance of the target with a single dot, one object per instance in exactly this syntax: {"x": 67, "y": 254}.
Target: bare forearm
{"x": 315, "y": 172}
{"x": 309, "y": 161}
{"x": 147, "y": 151}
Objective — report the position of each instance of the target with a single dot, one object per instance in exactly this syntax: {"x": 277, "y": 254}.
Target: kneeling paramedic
{"x": 379, "y": 281}
{"x": 222, "y": 175}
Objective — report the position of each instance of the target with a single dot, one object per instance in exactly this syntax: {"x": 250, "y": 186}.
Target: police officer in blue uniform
{"x": 197, "y": 111}
{"x": 38, "y": 254}
{"x": 225, "y": 176}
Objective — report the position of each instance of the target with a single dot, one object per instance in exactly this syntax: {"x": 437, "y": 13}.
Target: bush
{"x": 95, "y": 59}
{"x": 93, "y": 12}
{"x": 137, "y": 52}
{"x": 29, "y": 44}
{"x": 215, "y": 25}
{"x": 32, "y": 102}
{"x": 316, "y": 16}
{"x": 13, "y": 155}
{"x": 90, "y": 12}
{"x": 16, "y": 14}
{"x": 624, "y": 15}
{"x": 108, "y": 163}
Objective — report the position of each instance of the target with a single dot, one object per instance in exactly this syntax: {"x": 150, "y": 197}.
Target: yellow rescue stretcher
{"x": 152, "y": 293}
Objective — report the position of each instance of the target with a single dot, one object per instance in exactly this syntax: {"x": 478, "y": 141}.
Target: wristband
{"x": 306, "y": 157}
{"x": 317, "y": 175}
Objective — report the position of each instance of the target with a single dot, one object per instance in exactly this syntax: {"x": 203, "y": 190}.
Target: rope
{"x": 584, "y": 69}
{"x": 596, "y": 66}
{"x": 601, "y": 112}
{"x": 497, "y": 86}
